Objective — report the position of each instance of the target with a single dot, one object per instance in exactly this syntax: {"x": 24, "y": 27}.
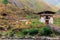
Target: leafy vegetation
{"x": 20, "y": 34}
{"x": 57, "y": 21}
{"x": 0, "y": 34}
{"x": 33, "y": 31}
{"x": 5, "y": 2}
{"x": 25, "y": 31}
{"x": 45, "y": 31}
{"x": 11, "y": 34}
{"x": 10, "y": 20}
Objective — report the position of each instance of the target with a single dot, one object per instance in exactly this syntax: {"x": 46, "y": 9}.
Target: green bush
{"x": 6, "y": 33}
{"x": 33, "y": 31}
{"x": 45, "y": 31}
{"x": 20, "y": 34}
{"x": 12, "y": 34}
{"x": 25, "y": 31}
{"x": 0, "y": 34}
{"x": 5, "y": 2}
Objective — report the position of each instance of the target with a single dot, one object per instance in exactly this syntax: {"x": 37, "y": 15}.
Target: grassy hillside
{"x": 1, "y": 1}
{"x": 46, "y": 6}
{"x": 14, "y": 13}
{"x": 34, "y": 5}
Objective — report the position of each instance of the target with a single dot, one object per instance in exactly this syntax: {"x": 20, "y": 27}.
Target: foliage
{"x": 33, "y": 31}
{"x": 20, "y": 34}
{"x": 36, "y": 23}
{"x": 28, "y": 16}
{"x": 25, "y": 31}
{"x": 5, "y": 2}
{"x": 6, "y": 33}
{"x": 57, "y": 21}
{"x": 13, "y": 13}
{"x": 0, "y": 34}
{"x": 12, "y": 34}
{"x": 45, "y": 31}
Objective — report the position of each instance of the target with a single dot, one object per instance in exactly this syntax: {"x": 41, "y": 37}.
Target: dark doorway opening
{"x": 47, "y": 19}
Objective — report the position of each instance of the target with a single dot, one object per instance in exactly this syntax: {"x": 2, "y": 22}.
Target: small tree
{"x": 5, "y": 2}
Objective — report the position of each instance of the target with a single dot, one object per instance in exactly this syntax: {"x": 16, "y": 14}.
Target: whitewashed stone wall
{"x": 51, "y": 20}
{"x": 43, "y": 20}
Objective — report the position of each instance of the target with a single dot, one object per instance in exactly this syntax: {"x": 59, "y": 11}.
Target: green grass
{"x": 1, "y": 1}
{"x": 20, "y": 34}
{"x": 36, "y": 23}
{"x": 57, "y": 22}
{"x": 32, "y": 16}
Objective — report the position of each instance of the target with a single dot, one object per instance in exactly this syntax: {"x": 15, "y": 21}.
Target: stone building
{"x": 46, "y": 17}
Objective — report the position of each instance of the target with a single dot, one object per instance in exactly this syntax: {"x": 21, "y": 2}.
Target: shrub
{"x": 12, "y": 34}
{"x": 20, "y": 34}
{"x": 6, "y": 33}
{"x": 0, "y": 34}
{"x": 25, "y": 31}
{"x": 45, "y": 31}
{"x": 33, "y": 31}
{"x": 5, "y": 2}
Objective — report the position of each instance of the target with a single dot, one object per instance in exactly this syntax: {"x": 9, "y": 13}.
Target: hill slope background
{"x": 35, "y": 5}
{"x": 18, "y": 9}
